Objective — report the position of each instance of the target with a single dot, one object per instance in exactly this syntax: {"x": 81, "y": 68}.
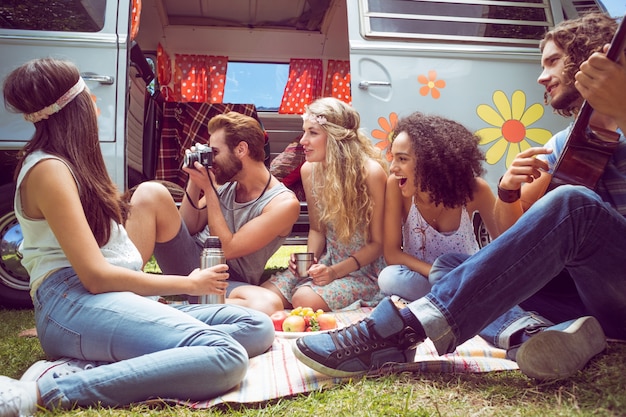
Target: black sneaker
{"x": 361, "y": 347}
{"x": 557, "y": 352}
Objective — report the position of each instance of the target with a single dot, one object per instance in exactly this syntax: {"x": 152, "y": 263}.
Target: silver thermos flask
{"x": 212, "y": 255}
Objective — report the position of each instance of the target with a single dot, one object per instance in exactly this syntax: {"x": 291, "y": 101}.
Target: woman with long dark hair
{"x": 116, "y": 345}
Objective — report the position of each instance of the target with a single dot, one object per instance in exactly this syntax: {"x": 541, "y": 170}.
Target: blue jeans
{"x": 149, "y": 349}
{"x": 569, "y": 228}
{"x": 500, "y": 331}
{"x": 400, "y": 280}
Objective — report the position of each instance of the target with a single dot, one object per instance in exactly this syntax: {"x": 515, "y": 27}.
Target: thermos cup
{"x": 212, "y": 255}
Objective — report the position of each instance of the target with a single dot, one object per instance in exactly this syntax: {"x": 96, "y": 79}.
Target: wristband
{"x": 508, "y": 196}
{"x": 358, "y": 264}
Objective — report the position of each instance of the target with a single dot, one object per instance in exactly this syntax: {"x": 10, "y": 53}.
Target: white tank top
{"x": 422, "y": 241}
{"x": 40, "y": 248}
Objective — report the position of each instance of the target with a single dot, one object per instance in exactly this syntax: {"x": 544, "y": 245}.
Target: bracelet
{"x": 508, "y": 196}
{"x": 358, "y": 264}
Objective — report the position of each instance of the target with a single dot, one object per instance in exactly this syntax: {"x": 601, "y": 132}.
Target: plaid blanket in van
{"x": 185, "y": 124}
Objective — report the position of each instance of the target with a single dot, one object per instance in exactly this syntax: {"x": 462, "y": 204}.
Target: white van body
{"x": 393, "y": 72}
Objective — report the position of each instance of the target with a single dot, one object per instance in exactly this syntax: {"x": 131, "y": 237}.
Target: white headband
{"x": 58, "y": 105}
{"x": 321, "y": 120}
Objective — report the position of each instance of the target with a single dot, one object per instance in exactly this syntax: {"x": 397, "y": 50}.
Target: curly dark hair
{"x": 579, "y": 38}
{"x": 447, "y": 155}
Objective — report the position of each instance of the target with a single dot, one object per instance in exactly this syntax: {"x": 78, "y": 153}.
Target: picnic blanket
{"x": 277, "y": 373}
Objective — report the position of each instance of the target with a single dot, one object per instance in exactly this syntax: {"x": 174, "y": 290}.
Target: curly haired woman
{"x": 432, "y": 193}
{"x": 344, "y": 180}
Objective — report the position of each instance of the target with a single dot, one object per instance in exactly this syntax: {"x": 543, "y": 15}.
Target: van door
{"x": 475, "y": 62}
{"x": 94, "y": 35}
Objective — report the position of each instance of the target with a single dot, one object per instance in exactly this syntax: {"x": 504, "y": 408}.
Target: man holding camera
{"x": 230, "y": 194}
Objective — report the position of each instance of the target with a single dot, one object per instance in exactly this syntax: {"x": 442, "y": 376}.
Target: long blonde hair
{"x": 339, "y": 184}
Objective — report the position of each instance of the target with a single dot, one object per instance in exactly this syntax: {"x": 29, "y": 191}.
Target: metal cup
{"x": 304, "y": 260}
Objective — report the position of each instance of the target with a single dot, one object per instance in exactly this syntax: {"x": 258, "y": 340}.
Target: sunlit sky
{"x": 615, "y": 7}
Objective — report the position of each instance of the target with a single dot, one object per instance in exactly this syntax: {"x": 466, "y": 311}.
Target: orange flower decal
{"x": 431, "y": 84}
{"x": 95, "y": 101}
{"x": 385, "y": 136}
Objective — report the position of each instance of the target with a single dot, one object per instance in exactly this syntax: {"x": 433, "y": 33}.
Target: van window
{"x": 53, "y": 15}
{"x": 258, "y": 83}
{"x": 472, "y": 21}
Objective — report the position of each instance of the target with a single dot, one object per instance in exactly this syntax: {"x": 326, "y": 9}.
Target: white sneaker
{"x": 17, "y": 398}
{"x": 60, "y": 367}
{"x": 559, "y": 351}
{"x": 399, "y": 301}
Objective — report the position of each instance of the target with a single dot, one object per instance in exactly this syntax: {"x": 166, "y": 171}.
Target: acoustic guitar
{"x": 588, "y": 148}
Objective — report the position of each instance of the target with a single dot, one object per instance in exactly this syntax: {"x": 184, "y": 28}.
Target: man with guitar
{"x": 572, "y": 232}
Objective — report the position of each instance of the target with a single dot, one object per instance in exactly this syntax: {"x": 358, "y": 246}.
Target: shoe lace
{"x": 356, "y": 339}
{"x": 9, "y": 402}
{"x": 72, "y": 367}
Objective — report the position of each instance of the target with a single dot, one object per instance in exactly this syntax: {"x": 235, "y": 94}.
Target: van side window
{"x": 472, "y": 21}
{"x": 53, "y": 15}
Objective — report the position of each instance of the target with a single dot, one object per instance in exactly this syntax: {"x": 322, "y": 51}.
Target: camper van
{"x": 159, "y": 69}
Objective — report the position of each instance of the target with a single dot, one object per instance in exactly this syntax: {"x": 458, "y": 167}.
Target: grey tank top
{"x": 250, "y": 267}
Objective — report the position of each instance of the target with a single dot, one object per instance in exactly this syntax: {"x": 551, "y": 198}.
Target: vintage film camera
{"x": 203, "y": 154}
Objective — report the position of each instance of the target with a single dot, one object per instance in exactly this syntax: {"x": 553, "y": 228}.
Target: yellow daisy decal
{"x": 431, "y": 84}
{"x": 511, "y": 132}
{"x": 385, "y": 136}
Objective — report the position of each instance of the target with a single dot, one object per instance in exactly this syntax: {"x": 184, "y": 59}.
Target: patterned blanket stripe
{"x": 278, "y": 374}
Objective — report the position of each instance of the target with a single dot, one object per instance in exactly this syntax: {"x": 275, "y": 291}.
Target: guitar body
{"x": 583, "y": 160}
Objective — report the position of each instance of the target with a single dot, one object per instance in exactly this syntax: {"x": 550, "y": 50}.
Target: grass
{"x": 599, "y": 390}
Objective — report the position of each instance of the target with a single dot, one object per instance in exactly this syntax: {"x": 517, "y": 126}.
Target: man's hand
{"x": 525, "y": 168}
{"x": 601, "y": 82}
{"x": 199, "y": 175}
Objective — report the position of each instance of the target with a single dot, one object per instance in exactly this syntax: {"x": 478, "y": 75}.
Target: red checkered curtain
{"x": 200, "y": 78}
{"x": 134, "y": 19}
{"x": 164, "y": 74}
{"x": 338, "y": 81}
{"x": 303, "y": 86}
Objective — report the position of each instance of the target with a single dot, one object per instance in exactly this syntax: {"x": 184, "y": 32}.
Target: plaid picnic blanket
{"x": 185, "y": 124}
{"x": 277, "y": 373}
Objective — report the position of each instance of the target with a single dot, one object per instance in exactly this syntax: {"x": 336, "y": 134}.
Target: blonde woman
{"x": 344, "y": 180}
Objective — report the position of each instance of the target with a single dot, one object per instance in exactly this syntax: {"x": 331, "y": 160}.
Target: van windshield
{"x": 53, "y": 15}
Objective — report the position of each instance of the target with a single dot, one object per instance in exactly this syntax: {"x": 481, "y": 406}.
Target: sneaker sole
{"x": 316, "y": 366}
{"x": 558, "y": 354}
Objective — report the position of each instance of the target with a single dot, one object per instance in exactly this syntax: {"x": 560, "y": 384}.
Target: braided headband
{"x": 58, "y": 105}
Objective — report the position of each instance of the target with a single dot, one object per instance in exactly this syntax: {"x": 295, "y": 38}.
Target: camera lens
{"x": 190, "y": 158}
